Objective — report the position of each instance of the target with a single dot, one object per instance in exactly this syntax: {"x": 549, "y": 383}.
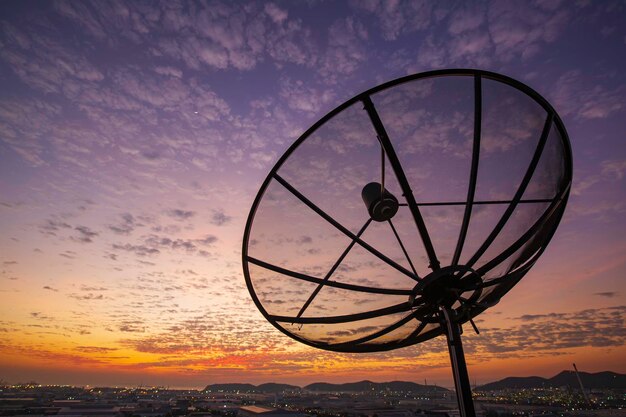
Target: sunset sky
{"x": 134, "y": 137}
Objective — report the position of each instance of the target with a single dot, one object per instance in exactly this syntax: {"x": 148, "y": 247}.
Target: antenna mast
{"x": 580, "y": 382}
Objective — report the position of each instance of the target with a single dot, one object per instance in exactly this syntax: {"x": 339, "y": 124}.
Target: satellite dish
{"x": 407, "y": 211}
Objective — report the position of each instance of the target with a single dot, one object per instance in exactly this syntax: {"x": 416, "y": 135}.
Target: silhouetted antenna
{"x": 464, "y": 175}
{"x": 580, "y": 383}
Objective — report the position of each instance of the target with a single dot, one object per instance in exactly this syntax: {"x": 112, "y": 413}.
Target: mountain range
{"x": 326, "y": 387}
{"x": 373, "y": 386}
{"x": 611, "y": 380}
{"x": 565, "y": 378}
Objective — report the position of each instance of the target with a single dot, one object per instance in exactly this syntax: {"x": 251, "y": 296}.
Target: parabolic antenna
{"x": 406, "y": 212}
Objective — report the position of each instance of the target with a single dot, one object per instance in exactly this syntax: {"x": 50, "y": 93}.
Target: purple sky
{"x": 134, "y": 136}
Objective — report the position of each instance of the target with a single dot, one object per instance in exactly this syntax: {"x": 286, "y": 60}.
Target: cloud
{"x": 95, "y": 349}
{"x": 607, "y": 294}
{"x": 261, "y": 159}
{"x": 68, "y": 254}
{"x": 594, "y": 187}
{"x": 466, "y": 19}
{"x": 41, "y": 316}
{"x": 59, "y": 62}
{"x": 92, "y": 288}
{"x": 126, "y": 226}
{"x": 47, "y": 287}
{"x": 180, "y": 214}
{"x": 50, "y": 227}
{"x": 603, "y": 210}
{"x": 217, "y": 37}
{"x": 398, "y": 18}
{"x": 531, "y": 317}
{"x": 353, "y": 332}
{"x": 304, "y": 240}
{"x": 87, "y": 297}
{"x": 134, "y": 326}
{"x": 346, "y": 49}
{"x": 83, "y": 15}
{"x": 117, "y": 110}
{"x": 575, "y": 94}
{"x": 166, "y": 242}
{"x": 85, "y": 234}
{"x": 305, "y": 98}
{"x": 198, "y": 334}
{"x": 139, "y": 250}
{"x": 614, "y": 168}
{"x": 219, "y": 218}
{"x": 207, "y": 240}
{"x": 291, "y": 43}
{"x": 154, "y": 244}
{"x": 519, "y": 30}
{"x": 480, "y": 34}
{"x": 169, "y": 71}
{"x": 24, "y": 124}
{"x": 547, "y": 334}
{"x": 277, "y": 14}
{"x": 470, "y": 48}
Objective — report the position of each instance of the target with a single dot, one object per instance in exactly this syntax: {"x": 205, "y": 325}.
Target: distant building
{"x": 256, "y": 411}
{"x": 91, "y": 410}
{"x": 383, "y": 412}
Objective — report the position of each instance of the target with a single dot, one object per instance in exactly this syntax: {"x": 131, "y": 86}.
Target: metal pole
{"x": 459, "y": 367}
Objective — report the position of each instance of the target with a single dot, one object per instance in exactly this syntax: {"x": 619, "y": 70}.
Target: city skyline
{"x": 134, "y": 137}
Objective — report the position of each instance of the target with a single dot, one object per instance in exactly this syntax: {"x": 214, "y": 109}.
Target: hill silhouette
{"x": 606, "y": 379}
{"x": 360, "y": 386}
{"x": 269, "y": 387}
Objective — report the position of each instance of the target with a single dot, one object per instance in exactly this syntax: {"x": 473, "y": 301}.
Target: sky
{"x": 134, "y": 137}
